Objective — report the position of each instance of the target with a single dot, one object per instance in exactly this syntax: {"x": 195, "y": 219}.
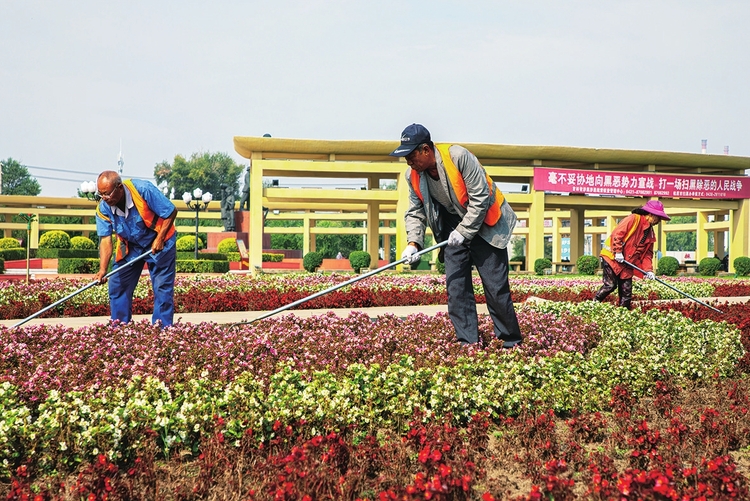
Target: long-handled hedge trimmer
{"x": 338, "y": 286}
{"x": 85, "y": 287}
{"x": 675, "y": 288}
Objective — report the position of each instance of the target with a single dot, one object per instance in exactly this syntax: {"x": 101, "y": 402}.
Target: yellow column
{"x": 308, "y": 244}
{"x": 719, "y": 243}
{"x": 34, "y": 234}
{"x": 701, "y": 236}
{"x": 373, "y": 232}
{"x": 739, "y": 225}
{"x": 535, "y": 239}
{"x": 255, "y": 230}
{"x": 577, "y": 234}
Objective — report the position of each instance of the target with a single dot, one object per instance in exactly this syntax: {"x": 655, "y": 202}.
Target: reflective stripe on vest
{"x": 494, "y": 211}
{"x": 150, "y": 219}
{"x": 607, "y": 249}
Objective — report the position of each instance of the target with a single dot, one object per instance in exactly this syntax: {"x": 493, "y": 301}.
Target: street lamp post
{"x": 198, "y": 201}
{"x": 88, "y": 190}
{"x": 29, "y": 218}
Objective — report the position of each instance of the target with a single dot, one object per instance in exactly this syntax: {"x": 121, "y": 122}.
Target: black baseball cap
{"x": 413, "y": 136}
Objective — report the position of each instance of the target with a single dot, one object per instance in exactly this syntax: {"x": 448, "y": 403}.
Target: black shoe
{"x": 511, "y": 344}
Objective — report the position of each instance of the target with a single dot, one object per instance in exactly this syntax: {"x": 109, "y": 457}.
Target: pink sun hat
{"x": 656, "y": 208}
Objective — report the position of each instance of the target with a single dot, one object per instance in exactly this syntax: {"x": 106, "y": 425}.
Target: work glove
{"x": 455, "y": 238}
{"x": 619, "y": 257}
{"x": 410, "y": 254}
{"x": 650, "y": 275}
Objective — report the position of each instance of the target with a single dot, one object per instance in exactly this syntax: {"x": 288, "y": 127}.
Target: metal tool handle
{"x": 675, "y": 288}
{"x": 338, "y": 286}
{"x": 85, "y": 287}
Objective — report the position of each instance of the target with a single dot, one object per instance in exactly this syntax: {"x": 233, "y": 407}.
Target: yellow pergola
{"x": 369, "y": 160}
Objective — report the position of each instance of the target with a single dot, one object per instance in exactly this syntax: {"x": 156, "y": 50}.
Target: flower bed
{"x": 388, "y": 409}
{"x": 269, "y": 292}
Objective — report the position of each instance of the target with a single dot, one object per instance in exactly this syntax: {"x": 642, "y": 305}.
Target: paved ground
{"x": 240, "y": 316}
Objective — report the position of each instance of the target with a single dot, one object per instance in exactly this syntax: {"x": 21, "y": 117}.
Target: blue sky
{"x": 168, "y": 77}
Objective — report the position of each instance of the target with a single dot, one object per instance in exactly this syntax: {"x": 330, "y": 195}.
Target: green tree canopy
{"x": 207, "y": 171}
{"x": 681, "y": 240}
{"x": 17, "y": 180}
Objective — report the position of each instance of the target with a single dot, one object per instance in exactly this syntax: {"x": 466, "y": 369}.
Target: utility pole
{"x": 1, "y": 178}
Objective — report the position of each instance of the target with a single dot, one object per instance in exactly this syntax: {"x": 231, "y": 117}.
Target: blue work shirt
{"x": 130, "y": 225}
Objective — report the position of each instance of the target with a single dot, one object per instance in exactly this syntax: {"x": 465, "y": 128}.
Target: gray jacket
{"x": 420, "y": 215}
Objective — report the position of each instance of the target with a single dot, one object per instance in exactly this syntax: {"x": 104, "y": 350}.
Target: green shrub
{"x": 709, "y": 266}
{"x": 54, "y": 239}
{"x": 82, "y": 243}
{"x": 66, "y": 253}
{"x": 77, "y": 266}
{"x": 9, "y": 243}
{"x": 440, "y": 267}
{"x": 312, "y": 260}
{"x": 587, "y": 265}
{"x": 187, "y": 243}
{"x": 542, "y": 264}
{"x": 667, "y": 266}
{"x": 227, "y": 245}
{"x": 269, "y": 257}
{"x": 15, "y": 254}
{"x": 742, "y": 266}
{"x": 200, "y": 266}
{"x": 2, "y": 265}
{"x": 202, "y": 256}
{"x": 359, "y": 260}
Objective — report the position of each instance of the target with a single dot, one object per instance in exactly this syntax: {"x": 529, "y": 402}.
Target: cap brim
{"x": 402, "y": 150}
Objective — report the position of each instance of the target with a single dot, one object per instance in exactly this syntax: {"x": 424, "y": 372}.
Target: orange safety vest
{"x": 607, "y": 249}
{"x": 150, "y": 219}
{"x": 494, "y": 211}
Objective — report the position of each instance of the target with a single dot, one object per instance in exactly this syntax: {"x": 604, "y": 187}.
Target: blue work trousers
{"x": 122, "y": 285}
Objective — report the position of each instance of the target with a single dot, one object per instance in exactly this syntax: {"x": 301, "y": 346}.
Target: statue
{"x": 245, "y": 199}
{"x": 227, "y": 207}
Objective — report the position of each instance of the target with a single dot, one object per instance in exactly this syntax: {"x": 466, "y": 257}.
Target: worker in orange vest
{"x": 632, "y": 240}
{"x": 450, "y": 192}
{"x": 141, "y": 218}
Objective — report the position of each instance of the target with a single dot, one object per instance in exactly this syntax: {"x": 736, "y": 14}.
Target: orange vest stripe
{"x": 607, "y": 250}
{"x": 151, "y": 220}
{"x": 494, "y": 212}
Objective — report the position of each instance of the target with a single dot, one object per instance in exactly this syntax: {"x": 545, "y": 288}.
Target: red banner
{"x": 640, "y": 184}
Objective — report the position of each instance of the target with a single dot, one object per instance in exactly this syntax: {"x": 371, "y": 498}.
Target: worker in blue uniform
{"x": 141, "y": 218}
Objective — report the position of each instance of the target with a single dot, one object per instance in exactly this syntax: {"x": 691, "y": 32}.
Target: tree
{"x": 681, "y": 240}
{"x": 207, "y": 171}
{"x": 17, "y": 180}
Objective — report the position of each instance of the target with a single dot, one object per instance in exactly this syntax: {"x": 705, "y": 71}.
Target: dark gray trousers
{"x": 492, "y": 265}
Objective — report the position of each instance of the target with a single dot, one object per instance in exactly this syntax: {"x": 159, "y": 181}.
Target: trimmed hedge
{"x": 709, "y": 266}
{"x": 587, "y": 265}
{"x": 77, "y": 266}
{"x": 228, "y": 245}
{"x": 542, "y": 264}
{"x": 9, "y": 243}
{"x": 2, "y": 265}
{"x": 187, "y": 243}
{"x": 267, "y": 257}
{"x": 54, "y": 239}
{"x": 312, "y": 260}
{"x": 14, "y": 254}
{"x": 82, "y": 243}
{"x": 202, "y": 256}
{"x": 742, "y": 266}
{"x": 193, "y": 266}
{"x": 359, "y": 260}
{"x": 667, "y": 266}
{"x": 66, "y": 253}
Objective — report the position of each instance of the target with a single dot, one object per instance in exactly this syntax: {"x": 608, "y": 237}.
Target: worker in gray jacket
{"x": 450, "y": 192}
